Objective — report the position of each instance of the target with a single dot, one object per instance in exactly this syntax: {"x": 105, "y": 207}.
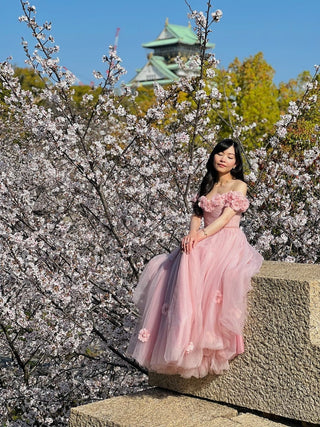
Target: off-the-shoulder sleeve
{"x": 236, "y": 201}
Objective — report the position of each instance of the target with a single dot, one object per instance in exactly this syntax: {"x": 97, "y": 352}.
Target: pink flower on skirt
{"x": 144, "y": 335}
{"x": 218, "y": 297}
{"x": 190, "y": 347}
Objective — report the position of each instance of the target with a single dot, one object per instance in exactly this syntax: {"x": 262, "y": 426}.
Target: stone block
{"x": 250, "y": 420}
{"x": 156, "y": 408}
{"x": 279, "y": 372}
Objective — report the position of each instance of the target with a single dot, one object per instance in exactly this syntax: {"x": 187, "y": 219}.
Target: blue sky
{"x": 286, "y": 31}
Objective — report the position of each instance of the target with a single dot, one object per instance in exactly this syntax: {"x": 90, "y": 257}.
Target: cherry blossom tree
{"x": 87, "y": 197}
{"x": 284, "y": 215}
{"x": 90, "y": 192}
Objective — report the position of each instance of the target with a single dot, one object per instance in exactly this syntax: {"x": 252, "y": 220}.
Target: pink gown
{"x": 193, "y": 307}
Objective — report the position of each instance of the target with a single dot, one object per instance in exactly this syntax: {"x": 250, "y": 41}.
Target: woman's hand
{"x": 189, "y": 242}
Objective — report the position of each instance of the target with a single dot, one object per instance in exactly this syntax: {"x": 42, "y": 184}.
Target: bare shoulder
{"x": 240, "y": 186}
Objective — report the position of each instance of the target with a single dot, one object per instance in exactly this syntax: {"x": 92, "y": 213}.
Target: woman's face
{"x": 225, "y": 161}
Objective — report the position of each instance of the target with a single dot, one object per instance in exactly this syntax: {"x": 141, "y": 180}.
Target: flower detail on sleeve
{"x": 144, "y": 335}
{"x": 236, "y": 201}
{"x": 190, "y": 347}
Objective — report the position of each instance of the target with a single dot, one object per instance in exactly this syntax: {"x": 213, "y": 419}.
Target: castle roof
{"x": 174, "y": 34}
{"x": 158, "y": 70}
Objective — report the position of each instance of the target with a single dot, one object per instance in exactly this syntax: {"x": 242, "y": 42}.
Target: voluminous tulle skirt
{"x": 193, "y": 307}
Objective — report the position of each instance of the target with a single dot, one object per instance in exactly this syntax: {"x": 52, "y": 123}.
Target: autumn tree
{"x": 292, "y": 90}
{"x": 249, "y": 98}
{"x": 303, "y": 133}
{"x": 29, "y": 79}
{"x": 145, "y": 98}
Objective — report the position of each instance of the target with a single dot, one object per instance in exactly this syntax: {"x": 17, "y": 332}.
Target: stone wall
{"x": 279, "y": 373}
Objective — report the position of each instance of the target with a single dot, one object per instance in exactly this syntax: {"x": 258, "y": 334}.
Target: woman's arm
{"x": 195, "y": 223}
{"x": 196, "y": 234}
{"x": 216, "y": 225}
{"x": 188, "y": 242}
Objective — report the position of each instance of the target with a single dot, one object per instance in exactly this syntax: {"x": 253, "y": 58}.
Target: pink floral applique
{"x": 210, "y": 205}
{"x": 144, "y": 335}
{"x": 233, "y": 199}
{"x": 164, "y": 309}
{"x": 190, "y": 347}
{"x": 236, "y": 201}
{"x": 218, "y": 297}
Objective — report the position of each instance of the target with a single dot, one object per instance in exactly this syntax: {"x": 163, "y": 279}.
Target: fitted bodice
{"x": 209, "y": 217}
{"x": 214, "y": 207}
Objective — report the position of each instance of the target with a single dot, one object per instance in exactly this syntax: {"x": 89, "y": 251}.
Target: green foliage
{"x": 292, "y": 90}
{"x": 249, "y": 96}
{"x": 3, "y": 93}
{"x": 304, "y": 133}
{"x": 145, "y": 97}
{"x": 81, "y": 90}
{"x": 29, "y": 79}
{"x": 143, "y": 101}
{"x": 249, "y": 86}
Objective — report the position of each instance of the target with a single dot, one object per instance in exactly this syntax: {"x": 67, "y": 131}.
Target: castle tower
{"x": 173, "y": 41}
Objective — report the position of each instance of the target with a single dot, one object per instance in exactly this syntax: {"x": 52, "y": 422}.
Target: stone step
{"x": 161, "y": 408}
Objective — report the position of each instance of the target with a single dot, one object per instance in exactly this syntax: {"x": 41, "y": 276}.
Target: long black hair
{"x": 211, "y": 177}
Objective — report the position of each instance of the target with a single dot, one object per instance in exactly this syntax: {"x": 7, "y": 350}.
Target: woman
{"x": 193, "y": 301}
